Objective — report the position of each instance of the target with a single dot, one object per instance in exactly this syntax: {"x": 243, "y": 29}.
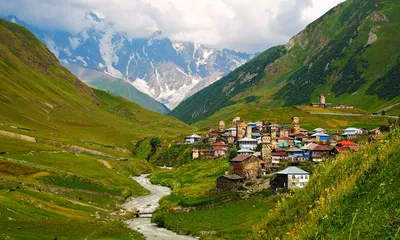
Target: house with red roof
{"x": 318, "y": 153}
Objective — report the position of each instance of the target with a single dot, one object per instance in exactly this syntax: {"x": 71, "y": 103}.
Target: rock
{"x": 372, "y": 38}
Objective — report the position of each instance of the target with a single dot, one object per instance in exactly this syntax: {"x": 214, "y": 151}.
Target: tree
{"x": 233, "y": 152}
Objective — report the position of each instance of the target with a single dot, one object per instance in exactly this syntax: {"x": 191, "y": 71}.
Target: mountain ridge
{"x": 344, "y": 55}
{"x": 169, "y": 71}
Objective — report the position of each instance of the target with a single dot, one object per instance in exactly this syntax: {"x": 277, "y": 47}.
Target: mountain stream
{"x": 148, "y": 204}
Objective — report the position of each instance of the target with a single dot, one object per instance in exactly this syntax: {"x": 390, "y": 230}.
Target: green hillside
{"x": 348, "y": 55}
{"x": 65, "y": 148}
{"x": 354, "y": 197}
{"x": 116, "y": 86}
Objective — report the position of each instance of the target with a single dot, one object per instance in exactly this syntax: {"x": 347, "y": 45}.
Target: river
{"x": 148, "y": 204}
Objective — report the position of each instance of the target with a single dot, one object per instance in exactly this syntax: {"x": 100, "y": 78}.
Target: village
{"x": 260, "y": 149}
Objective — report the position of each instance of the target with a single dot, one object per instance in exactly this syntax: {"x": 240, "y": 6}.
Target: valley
{"x": 297, "y": 142}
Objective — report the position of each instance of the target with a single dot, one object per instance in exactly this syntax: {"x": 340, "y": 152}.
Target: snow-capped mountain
{"x": 169, "y": 71}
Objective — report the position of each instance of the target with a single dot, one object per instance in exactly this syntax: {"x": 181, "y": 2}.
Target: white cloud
{"x": 247, "y": 25}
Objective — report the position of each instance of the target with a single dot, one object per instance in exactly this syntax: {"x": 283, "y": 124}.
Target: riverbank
{"x": 148, "y": 204}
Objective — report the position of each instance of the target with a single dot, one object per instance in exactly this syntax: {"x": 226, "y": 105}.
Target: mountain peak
{"x": 91, "y": 15}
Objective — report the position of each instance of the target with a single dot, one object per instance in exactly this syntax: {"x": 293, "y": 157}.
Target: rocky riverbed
{"x": 148, "y": 204}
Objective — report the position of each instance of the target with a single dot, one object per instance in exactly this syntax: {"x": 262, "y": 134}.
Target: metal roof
{"x": 247, "y": 140}
{"x": 320, "y": 134}
{"x": 293, "y": 171}
{"x": 244, "y": 150}
{"x": 240, "y": 158}
{"x": 233, "y": 177}
{"x": 194, "y": 136}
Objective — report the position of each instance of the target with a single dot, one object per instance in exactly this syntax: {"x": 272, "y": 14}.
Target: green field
{"x": 233, "y": 219}
{"x": 47, "y": 193}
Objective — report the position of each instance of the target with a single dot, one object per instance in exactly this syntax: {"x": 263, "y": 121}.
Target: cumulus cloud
{"x": 246, "y": 25}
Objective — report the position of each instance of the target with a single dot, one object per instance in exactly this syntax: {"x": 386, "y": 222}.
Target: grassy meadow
{"x": 48, "y": 193}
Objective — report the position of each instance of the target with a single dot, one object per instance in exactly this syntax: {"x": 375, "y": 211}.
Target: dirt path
{"x": 105, "y": 163}
{"x": 389, "y": 107}
{"x": 17, "y": 136}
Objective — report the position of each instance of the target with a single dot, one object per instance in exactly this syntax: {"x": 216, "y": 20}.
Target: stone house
{"x": 229, "y": 182}
{"x": 246, "y": 166}
{"x": 202, "y": 153}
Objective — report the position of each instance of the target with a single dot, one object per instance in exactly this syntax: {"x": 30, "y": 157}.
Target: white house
{"x": 192, "y": 139}
{"x": 291, "y": 178}
{"x": 350, "y": 133}
{"x": 248, "y": 143}
{"x": 321, "y": 136}
{"x": 319, "y": 130}
{"x": 245, "y": 151}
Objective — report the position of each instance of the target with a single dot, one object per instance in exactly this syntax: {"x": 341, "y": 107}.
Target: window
{"x": 293, "y": 177}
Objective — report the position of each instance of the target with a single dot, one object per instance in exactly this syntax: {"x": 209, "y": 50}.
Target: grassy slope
{"x": 354, "y": 197}
{"x": 63, "y": 190}
{"x": 330, "y": 56}
{"x": 58, "y": 193}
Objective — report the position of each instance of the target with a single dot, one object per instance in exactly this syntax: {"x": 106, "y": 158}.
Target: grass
{"x": 227, "y": 220}
{"x": 29, "y": 214}
{"x": 352, "y": 197}
{"x": 192, "y": 180}
{"x": 87, "y": 167}
{"x": 39, "y": 202}
{"x": 42, "y": 186}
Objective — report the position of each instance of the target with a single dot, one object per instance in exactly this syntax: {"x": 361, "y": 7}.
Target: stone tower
{"x": 274, "y": 139}
{"x": 240, "y": 132}
{"x": 266, "y": 149}
{"x": 322, "y": 100}
{"x": 221, "y": 126}
{"x": 248, "y": 131}
{"x": 296, "y": 125}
